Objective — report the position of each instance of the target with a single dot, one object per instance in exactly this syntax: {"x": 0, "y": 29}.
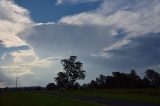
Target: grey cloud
{"x": 64, "y": 40}
{"x": 141, "y": 52}
{"x": 61, "y": 38}
{"x": 5, "y": 79}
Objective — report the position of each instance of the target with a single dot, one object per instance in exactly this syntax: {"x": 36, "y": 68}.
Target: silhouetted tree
{"x": 134, "y": 75}
{"x": 73, "y": 72}
{"x": 98, "y": 82}
{"x": 62, "y": 80}
{"x": 153, "y": 77}
{"x": 109, "y": 82}
{"x": 102, "y": 81}
{"x": 120, "y": 80}
{"x": 76, "y": 85}
{"x": 85, "y": 86}
{"x": 126, "y": 80}
{"x": 93, "y": 84}
{"x": 146, "y": 83}
{"x": 51, "y": 86}
{"x": 135, "y": 80}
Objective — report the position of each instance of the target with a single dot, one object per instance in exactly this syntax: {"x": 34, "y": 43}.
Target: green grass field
{"x": 35, "y": 99}
{"x": 135, "y": 95}
{"x": 40, "y": 98}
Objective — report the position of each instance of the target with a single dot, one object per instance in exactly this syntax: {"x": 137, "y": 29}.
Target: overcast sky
{"x": 106, "y": 35}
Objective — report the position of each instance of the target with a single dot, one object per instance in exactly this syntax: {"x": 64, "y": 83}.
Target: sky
{"x": 106, "y": 35}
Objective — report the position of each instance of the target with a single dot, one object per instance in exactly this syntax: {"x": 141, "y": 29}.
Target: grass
{"x": 151, "y": 92}
{"x": 135, "y": 95}
{"x": 35, "y": 99}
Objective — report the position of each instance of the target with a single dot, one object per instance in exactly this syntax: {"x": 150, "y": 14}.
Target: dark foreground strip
{"x": 100, "y": 100}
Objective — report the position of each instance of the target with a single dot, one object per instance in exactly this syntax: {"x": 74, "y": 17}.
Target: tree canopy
{"x": 72, "y": 72}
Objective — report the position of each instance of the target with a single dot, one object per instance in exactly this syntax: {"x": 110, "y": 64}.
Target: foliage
{"x": 153, "y": 77}
{"x": 125, "y": 80}
{"x": 73, "y": 72}
{"x": 51, "y": 86}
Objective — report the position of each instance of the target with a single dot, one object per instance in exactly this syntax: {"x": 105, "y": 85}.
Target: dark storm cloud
{"x": 141, "y": 52}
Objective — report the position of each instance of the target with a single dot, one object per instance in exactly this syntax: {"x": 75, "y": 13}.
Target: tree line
{"x": 130, "y": 80}
{"x": 73, "y": 71}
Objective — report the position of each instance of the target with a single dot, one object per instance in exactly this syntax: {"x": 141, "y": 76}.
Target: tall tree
{"x": 73, "y": 72}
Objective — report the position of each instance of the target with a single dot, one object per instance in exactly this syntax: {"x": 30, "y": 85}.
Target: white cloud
{"x": 85, "y": 18}
{"x": 13, "y": 19}
{"x": 23, "y": 61}
{"x": 59, "y": 2}
{"x": 117, "y": 45}
{"x": 48, "y": 23}
{"x": 114, "y": 32}
{"x": 137, "y": 20}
